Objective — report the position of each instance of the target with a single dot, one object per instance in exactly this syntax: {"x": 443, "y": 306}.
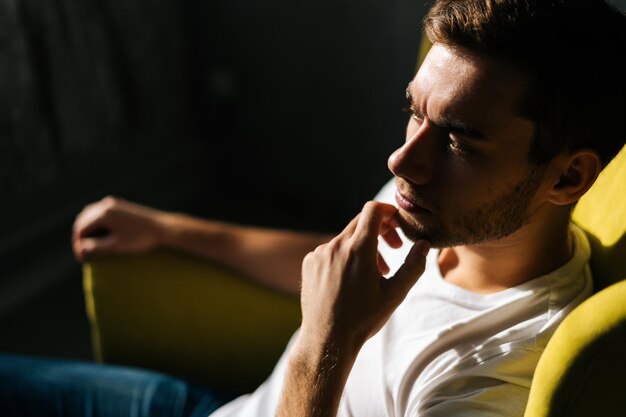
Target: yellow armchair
{"x": 581, "y": 372}
{"x": 187, "y": 317}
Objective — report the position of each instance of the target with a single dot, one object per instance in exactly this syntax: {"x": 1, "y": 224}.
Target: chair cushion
{"x": 187, "y": 317}
{"x": 581, "y": 373}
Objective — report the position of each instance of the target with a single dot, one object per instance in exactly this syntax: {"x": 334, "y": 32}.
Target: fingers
{"x": 410, "y": 271}
{"x": 370, "y": 223}
{"x": 91, "y": 222}
{"x": 96, "y": 246}
{"x": 86, "y": 223}
{"x": 349, "y": 229}
{"x": 382, "y": 265}
{"x": 390, "y": 234}
{"x": 376, "y": 219}
{"x": 93, "y": 217}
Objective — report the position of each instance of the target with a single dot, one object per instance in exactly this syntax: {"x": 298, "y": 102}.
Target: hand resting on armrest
{"x": 270, "y": 256}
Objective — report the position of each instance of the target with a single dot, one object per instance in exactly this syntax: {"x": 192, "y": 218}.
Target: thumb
{"x": 410, "y": 271}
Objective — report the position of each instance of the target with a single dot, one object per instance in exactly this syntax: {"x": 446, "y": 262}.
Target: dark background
{"x": 277, "y": 113}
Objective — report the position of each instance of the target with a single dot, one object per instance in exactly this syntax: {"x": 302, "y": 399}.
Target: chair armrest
{"x": 581, "y": 372}
{"x": 187, "y": 317}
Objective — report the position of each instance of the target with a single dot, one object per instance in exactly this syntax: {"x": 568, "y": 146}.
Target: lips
{"x": 409, "y": 204}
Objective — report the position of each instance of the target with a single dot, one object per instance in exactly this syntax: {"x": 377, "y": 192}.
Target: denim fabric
{"x": 54, "y": 388}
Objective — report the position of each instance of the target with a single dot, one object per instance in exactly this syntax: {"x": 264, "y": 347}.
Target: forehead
{"x": 474, "y": 87}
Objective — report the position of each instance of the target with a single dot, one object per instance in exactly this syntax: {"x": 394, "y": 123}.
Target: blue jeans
{"x": 46, "y": 387}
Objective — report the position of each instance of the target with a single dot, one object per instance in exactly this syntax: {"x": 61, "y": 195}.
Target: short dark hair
{"x": 572, "y": 49}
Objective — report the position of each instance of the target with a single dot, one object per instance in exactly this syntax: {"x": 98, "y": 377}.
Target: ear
{"x": 578, "y": 171}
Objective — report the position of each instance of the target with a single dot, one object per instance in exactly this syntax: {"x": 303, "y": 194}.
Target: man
{"x": 506, "y": 133}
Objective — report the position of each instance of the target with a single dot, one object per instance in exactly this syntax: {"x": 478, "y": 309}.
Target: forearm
{"x": 315, "y": 380}
{"x": 345, "y": 300}
{"x": 271, "y": 257}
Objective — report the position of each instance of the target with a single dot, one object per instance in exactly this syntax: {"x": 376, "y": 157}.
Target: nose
{"x": 416, "y": 159}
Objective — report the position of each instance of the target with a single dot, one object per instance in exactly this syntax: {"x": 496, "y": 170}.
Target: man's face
{"x": 463, "y": 175}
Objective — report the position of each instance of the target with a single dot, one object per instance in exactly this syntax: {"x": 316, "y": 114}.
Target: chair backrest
{"x": 581, "y": 372}
{"x": 602, "y": 214}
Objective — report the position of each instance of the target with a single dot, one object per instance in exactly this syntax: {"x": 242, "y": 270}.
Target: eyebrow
{"x": 457, "y": 126}
{"x": 409, "y": 96}
{"x": 448, "y": 122}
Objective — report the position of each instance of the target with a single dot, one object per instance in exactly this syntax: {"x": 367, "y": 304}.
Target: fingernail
{"x": 425, "y": 247}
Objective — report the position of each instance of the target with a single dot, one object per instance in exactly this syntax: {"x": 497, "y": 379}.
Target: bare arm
{"x": 269, "y": 256}
{"x": 345, "y": 300}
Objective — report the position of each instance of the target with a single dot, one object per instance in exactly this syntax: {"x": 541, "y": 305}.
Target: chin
{"x": 435, "y": 232}
{"x": 415, "y": 229}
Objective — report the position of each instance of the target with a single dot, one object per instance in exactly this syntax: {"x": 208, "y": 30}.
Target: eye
{"x": 413, "y": 114}
{"x": 456, "y": 146}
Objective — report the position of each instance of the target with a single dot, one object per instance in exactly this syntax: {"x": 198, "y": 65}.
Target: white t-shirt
{"x": 447, "y": 351}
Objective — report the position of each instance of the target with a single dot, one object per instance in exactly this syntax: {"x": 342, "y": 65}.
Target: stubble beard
{"x": 491, "y": 221}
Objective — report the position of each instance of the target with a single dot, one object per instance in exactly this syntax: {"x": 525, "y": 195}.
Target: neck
{"x": 534, "y": 250}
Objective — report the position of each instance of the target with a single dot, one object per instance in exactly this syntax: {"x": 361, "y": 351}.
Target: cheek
{"x": 465, "y": 187}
